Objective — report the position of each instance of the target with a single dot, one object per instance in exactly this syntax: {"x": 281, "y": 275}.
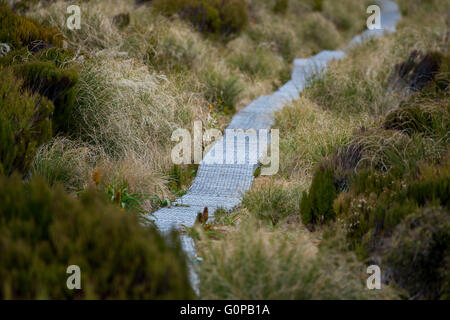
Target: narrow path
{"x": 221, "y": 185}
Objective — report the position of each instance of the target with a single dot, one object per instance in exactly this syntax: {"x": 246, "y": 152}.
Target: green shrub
{"x": 18, "y": 31}
{"x": 169, "y": 53}
{"x": 181, "y": 176}
{"x": 261, "y": 63}
{"x": 320, "y": 32}
{"x": 378, "y": 202}
{"x": 24, "y": 123}
{"x": 418, "y": 254}
{"x": 55, "y": 84}
{"x": 280, "y": 6}
{"x": 43, "y": 231}
{"x": 317, "y": 205}
{"x": 317, "y": 5}
{"x": 221, "y": 17}
{"x": 222, "y": 92}
{"x": 271, "y": 202}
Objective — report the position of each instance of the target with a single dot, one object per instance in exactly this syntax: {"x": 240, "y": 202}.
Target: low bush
{"x": 55, "y": 84}
{"x": 44, "y": 230}
{"x": 222, "y": 92}
{"x": 220, "y": 17}
{"x": 378, "y": 202}
{"x": 181, "y": 176}
{"x": 418, "y": 254}
{"x": 280, "y": 6}
{"x": 317, "y": 205}
{"x": 320, "y": 32}
{"x": 24, "y": 123}
{"x": 18, "y": 31}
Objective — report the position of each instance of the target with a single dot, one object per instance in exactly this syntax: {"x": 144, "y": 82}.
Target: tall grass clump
{"x": 271, "y": 202}
{"x": 253, "y": 264}
{"x": 66, "y": 162}
{"x": 308, "y": 134}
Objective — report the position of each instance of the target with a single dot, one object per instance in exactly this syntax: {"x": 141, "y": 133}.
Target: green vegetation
{"x": 18, "y": 31}
{"x": 43, "y": 231}
{"x": 55, "y": 84}
{"x": 24, "y": 123}
{"x": 364, "y": 150}
{"x": 253, "y": 264}
{"x": 271, "y": 202}
{"x": 210, "y": 16}
{"x": 367, "y": 147}
{"x": 317, "y": 205}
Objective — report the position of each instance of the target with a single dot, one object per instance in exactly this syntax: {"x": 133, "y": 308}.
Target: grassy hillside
{"x": 87, "y": 115}
{"x": 363, "y": 178}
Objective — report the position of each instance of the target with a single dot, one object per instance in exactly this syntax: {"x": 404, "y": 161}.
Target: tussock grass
{"x": 272, "y": 202}
{"x": 139, "y": 82}
{"x": 309, "y": 133}
{"x": 252, "y": 263}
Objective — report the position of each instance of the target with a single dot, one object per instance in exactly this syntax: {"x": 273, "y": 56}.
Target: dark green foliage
{"x": 121, "y": 20}
{"x": 18, "y": 31}
{"x": 181, "y": 176}
{"x": 24, "y": 123}
{"x": 317, "y": 206}
{"x": 43, "y": 231}
{"x": 222, "y": 92}
{"x": 418, "y": 254}
{"x": 317, "y": 5}
{"x": 378, "y": 202}
{"x": 281, "y": 6}
{"x": 220, "y": 17}
{"x": 418, "y": 71}
{"x": 55, "y": 84}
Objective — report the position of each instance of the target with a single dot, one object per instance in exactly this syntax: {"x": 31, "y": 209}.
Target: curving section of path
{"x": 222, "y": 184}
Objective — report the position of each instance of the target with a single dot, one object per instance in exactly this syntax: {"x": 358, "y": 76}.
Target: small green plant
{"x": 317, "y": 206}
{"x": 181, "y": 176}
{"x": 222, "y": 92}
{"x": 118, "y": 192}
{"x": 221, "y": 216}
